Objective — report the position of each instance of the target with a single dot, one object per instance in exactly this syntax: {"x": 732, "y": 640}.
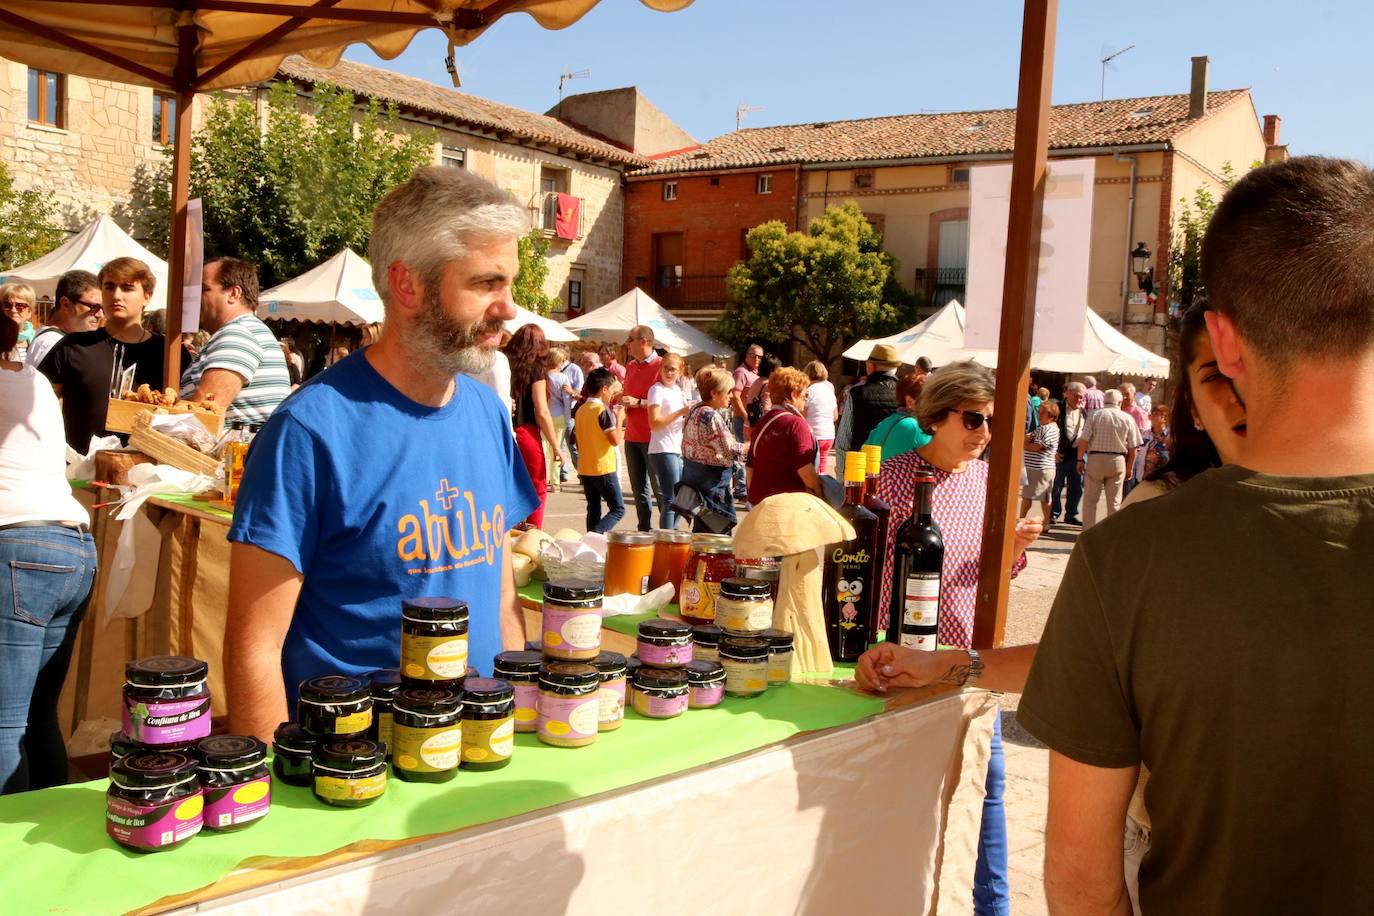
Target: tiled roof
{"x": 1115, "y": 122}
{"x": 421, "y": 95}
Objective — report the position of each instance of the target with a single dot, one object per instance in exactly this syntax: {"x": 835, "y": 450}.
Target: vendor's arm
{"x": 263, "y": 589}
{"x": 887, "y": 666}
{"x": 512, "y": 616}
{"x": 1083, "y": 861}
{"x": 223, "y": 384}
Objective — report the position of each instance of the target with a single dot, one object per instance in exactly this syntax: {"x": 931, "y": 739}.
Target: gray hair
{"x": 1111, "y": 397}
{"x": 1076, "y": 386}
{"x": 1127, "y": 389}
{"x": 429, "y": 221}
{"x": 1089, "y": 382}
{"x": 954, "y": 384}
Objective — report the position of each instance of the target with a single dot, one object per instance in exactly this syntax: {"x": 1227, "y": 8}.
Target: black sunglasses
{"x": 973, "y": 419}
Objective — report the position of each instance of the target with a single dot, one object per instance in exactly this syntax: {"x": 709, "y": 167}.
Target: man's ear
{"x": 1226, "y": 344}
{"x": 406, "y": 289}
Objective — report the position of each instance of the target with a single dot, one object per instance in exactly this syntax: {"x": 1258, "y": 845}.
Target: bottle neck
{"x": 871, "y": 485}
{"x": 854, "y": 492}
{"x": 921, "y": 506}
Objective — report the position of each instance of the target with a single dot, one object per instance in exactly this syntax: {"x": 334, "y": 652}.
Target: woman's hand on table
{"x": 887, "y": 665}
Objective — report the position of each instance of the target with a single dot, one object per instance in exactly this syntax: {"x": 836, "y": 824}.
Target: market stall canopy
{"x": 612, "y": 320}
{"x": 339, "y": 290}
{"x": 89, "y": 249}
{"x": 940, "y": 338}
{"x": 553, "y": 331}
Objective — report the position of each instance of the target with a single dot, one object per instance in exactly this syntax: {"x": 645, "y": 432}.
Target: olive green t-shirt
{"x": 1223, "y": 634}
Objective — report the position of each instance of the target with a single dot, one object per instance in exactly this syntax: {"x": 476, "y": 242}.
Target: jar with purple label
{"x": 154, "y": 801}
{"x": 706, "y": 683}
{"x": 570, "y": 620}
{"x": 665, "y": 643}
{"x": 611, "y": 698}
{"x": 166, "y": 700}
{"x": 235, "y": 780}
{"x": 521, "y": 669}
{"x": 660, "y": 693}
{"x": 569, "y": 704}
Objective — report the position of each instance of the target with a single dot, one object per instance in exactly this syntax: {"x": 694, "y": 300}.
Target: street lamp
{"x": 1140, "y": 266}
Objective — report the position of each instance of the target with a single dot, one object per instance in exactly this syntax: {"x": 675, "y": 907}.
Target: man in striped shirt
{"x": 242, "y": 364}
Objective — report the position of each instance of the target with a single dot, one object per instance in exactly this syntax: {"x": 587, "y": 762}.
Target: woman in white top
{"x": 48, "y": 558}
{"x": 822, "y": 410}
{"x": 667, "y": 407}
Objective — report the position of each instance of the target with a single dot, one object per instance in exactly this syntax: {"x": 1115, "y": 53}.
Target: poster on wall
{"x": 1061, "y": 289}
{"x": 195, "y": 266}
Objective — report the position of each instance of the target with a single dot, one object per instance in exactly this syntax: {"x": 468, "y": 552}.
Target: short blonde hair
{"x": 712, "y": 380}
{"x": 816, "y": 371}
{"x": 18, "y": 290}
{"x": 953, "y": 385}
{"x": 786, "y": 383}
{"x": 1050, "y": 408}
{"x": 671, "y": 359}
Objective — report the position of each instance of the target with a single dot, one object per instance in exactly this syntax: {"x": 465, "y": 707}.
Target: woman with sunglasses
{"x": 955, "y": 410}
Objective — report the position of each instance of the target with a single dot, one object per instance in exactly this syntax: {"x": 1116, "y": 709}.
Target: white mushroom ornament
{"x": 795, "y": 526}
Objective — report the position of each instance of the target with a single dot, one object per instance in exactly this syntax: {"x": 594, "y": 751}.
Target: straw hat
{"x": 883, "y": 353}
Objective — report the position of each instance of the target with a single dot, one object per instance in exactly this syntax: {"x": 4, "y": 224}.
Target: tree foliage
{"x": 528, "y": 289}
{"x": 28, "y": 223}
{"x": 817, "y": 287}
{"x": 1185, "y": 251}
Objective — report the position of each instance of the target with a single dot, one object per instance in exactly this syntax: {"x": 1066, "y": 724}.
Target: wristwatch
{"x": 975, "y": 668}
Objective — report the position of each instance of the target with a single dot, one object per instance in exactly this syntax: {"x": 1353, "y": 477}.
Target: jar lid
{"x": 669, "y": 678}
{"x": 166, "y": 671}
{"x": 435, "y": 608}
{"x": 384, "y": 681}
{"x": 777, "y": 639}
{"x": 665, "y": 629}
{"x": 121, "y": 745}
{"x": 291, "y": 737}
{"x": 518, "y": 661}
{"x": 712, "y": 540}
{"x": 219, "y": 751}
{"x": 632, "y": 665}
{"x": 703, "y": 671}
{"x": 669, "y": 536}
{"x": 747, "y": 589}
{"x": 428, "y": 701}
{"x": 712, "y": 548}
{"x": 486, "y": 691}
{"x": 568, "y": 674}
{"x": 629, "y": 537}
{"x": 349, "y": 754}
{"x": 154, "y": 770}
{"x": 743, "y": 648}
{"x": 611, "y": 665}
{"x": 707, "y": 634}
{"x": 572, "y": 590}
{"x": 335, "y": 688}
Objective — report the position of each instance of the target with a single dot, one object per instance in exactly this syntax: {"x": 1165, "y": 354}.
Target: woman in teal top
{"x": 900, "y": 433}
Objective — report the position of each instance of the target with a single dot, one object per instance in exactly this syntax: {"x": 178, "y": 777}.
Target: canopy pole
{"x": 181, "y": 183}
{"x": 1018, "y": 318}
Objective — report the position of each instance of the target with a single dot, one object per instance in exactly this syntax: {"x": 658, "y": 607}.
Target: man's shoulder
{"x": 81, "y": 339}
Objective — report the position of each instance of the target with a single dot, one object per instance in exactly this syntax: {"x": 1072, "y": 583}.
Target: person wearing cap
{"x": 868, "y": 403}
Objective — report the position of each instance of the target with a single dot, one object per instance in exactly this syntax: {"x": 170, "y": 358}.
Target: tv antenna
{"x": 1107, "y": 64}
{"x": 742, "y": 109}
{"x": 563, "y": 79}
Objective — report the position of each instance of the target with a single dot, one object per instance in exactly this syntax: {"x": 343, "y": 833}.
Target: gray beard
{"x": 439, "y": 342}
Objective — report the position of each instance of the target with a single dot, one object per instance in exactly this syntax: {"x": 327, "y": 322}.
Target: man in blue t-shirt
{"x": 390, "y": 476}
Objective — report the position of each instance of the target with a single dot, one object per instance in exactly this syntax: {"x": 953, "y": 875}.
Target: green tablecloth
{"x": 58, "y": 858}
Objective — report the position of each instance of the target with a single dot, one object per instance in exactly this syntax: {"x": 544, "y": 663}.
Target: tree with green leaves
{"x": 1185, "y": 250}
{"x": 28, "y": 223}
{"x": 528, "y": 288}
{"x": 817, "y": 288}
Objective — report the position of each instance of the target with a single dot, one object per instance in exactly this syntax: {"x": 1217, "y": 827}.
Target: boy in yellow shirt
{"x": 599, "y": 429}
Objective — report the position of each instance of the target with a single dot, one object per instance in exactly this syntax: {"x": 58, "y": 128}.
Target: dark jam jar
{"x": 233, "y": 774}
{"x": 665, "y": 643}
{"x": 154, "y": 801}
{"x": 427, "y": 732}
{"x": 349, "y": 772}
{"x": 434, "y": 642}
{"x": 706, "y": 642}
{"x": 488, "y": 723}
{"x": 385, "y": 682}
{"x": 166, "y": 700}
{"x": 521, "y": 670}
{"x": 121, "y": 746}
{"x": 335, "y": 706}
{"x": 707, "y": 682}
{"x": 291, "y": 750}
{"x": 660, "y": 693}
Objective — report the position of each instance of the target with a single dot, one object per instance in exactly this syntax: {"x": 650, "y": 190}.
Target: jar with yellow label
{"x": 384, "y": 682}
{"x": 236, "y": 784}
{"x": 745, "y": 660}
{"x": 349, "y": 773}
{"x": 488, "y": 723}
{"x": 706, "y": 642}
{"x": 710, "y": 563}
{"x": 611, "y": 711}
{"x": 335, "y": 706}
{"x": 744, "y": 606}
{"x": 520, "y": 668}
{"x": 428, "y": 733}
{"x": 434, "y": 642}
{"x": 569, "y": 707}
{"x": 570, "y": 627}
{"x": 779, "y": 656}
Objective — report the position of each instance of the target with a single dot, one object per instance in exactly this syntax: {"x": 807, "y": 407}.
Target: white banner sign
{"x": 195, "y": 267}
{"x": 1061, "y": 290}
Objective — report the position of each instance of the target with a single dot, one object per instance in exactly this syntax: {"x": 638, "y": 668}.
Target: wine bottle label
{"x": 926, "y": 642}
{"x": 922, "y": 606}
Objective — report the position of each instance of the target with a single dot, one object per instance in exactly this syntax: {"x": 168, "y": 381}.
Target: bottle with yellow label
{"x": 488, "y": 723}
{"x": 434, "y": 642}
{"x": 427, "y": 733}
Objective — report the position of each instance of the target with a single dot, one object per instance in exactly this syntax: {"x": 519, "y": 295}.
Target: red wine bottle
{"x": 847, "y": 585}
{"x": 918, "y": 572}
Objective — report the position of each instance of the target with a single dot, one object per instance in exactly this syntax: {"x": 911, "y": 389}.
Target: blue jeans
{"x": 991, "y": 893}
{"x": 667, "y": 469}
{"x": 713, "y": 483}
{"x": 637, "y": 463}
{"x": 1067, "y": 472}
{"x": 600, "y": 488}
{"x": 45, "y": 580}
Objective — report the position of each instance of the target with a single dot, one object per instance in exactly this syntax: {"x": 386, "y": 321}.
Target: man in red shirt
{"x": 640, "y": 374}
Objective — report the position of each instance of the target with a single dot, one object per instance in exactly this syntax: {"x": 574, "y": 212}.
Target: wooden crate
{"x": 121, "y": 415}
{"x": 166, "y": 450}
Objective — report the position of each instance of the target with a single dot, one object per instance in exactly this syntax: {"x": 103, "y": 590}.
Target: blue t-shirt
{"x": 374, "y": 498}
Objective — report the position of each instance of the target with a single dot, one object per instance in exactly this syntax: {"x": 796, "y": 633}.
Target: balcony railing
{"x": 941, "y": 284}
{"x": 688, "y": 292}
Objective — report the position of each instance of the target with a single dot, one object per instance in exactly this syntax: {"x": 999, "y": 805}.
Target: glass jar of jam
{"x": 632, "y": 664}
{"x": 488, "y": 723}
{"x": 671, "y": 549}
{"x": 744, "y": 606}
{"x": 166, "y": 700}
{"x": 570, "y": 622}
{"x": 664, "y": 643}
{"x": 291, "y": 750}
{"x": 434, "y": 642}
{"x": 335, "y": 706}
{"x": 706, "y": 683}
{"x": 660, "y": 693}
{"x": 761, "y": 569}
{"x": 154, "y": 801}
{"x": 235, "y": 781}
{"x": 745, "y": 660}
{"x": 569, "y": 707}
{"x": 520, "y": 668}
{"x": 779, "y": 656}
{"x": 611, "y": 698}
{"x": 629, "y": 562}
{"x": 349, "y": 772}
{"x": 121, "y": 746}
{"x": 384, "y": 682}
{"x": 706, "y": 642}
{"x": 709, "y": 564}
{"x": 428, "y": 733}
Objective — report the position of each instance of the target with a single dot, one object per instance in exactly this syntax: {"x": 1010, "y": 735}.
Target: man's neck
{"x": 393, "y": 362}
{"x": 232, "y": 316}
{"x": 1316, "y": 425}
{"x": 125, "y": 331}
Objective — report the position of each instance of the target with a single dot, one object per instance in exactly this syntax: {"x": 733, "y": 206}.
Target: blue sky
{"x": 807, "y": 60}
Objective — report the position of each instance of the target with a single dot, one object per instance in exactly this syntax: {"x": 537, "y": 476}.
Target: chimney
{"x": 1273, "y": 150}
{"x": 1197, "y": 102}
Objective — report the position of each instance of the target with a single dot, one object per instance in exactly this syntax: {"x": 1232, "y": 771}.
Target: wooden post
{"x": 181, "y": 182}
{"x": 1018, "y": 318}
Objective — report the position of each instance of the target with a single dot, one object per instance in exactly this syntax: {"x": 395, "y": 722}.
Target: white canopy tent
{"x": 338, "y": 291}
{"x": 90, "y": 249}
{"x": 612, "y": 320}
{"x": 553, "y": 331}
{"x": 940, "y": 338}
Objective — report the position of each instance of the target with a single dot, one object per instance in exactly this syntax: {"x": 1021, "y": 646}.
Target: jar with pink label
{"x": 660, "y": 693}
{"x": 154, "y": 801}
{"x": 237, "y": 785}
{"x": 569, "y": 704}
{"x": 571, "y": 620}
{"x": 521, "y": 669}
{"x": 665, "y": 643}
{"x": 706, "y": 681}
{"x": 166, "y": 700}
